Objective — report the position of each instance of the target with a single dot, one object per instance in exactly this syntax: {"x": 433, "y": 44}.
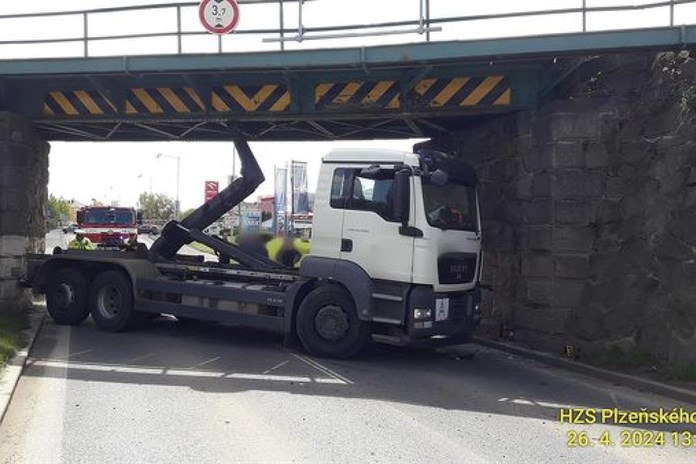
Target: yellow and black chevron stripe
{"x": 77, "y": 103}
{"x": 380, "y": 94}
{"x": 463, "y": 92}
{"x": 164, "y": 100}
{"x": 429, "y": 93}
{"x": 272, "y": 98}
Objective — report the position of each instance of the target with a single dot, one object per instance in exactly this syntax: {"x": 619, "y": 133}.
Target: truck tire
{"x": 111, "y": 301}
{"x": 328, "y": 324}
{"x": 66, "y": 296}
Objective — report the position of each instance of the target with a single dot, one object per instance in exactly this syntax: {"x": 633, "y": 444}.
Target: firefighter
{"x": 132, "y": 244}
{"x": 80, "y": 242}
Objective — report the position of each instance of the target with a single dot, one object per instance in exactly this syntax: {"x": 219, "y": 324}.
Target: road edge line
{"x": 12, "y": 371}
{"x": 637, "y": 383}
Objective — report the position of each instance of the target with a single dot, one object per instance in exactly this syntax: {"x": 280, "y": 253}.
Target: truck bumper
{"x": 441, "y": 318}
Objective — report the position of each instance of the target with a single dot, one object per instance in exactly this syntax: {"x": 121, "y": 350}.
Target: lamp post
{"x": 178, "y": 179}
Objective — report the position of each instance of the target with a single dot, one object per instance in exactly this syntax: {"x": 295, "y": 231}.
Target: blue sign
{"x": 251, "y": 222}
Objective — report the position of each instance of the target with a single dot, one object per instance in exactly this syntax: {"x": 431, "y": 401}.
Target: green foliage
{"x": 688, "y": 100}
{"x": 685, "y": 373}
{"x": 616, "y": 357}
{"x": 11, "y": 325}
{"x": 156, "y": 206}
{"x": 58, "y": 210}
{"x": 187, "y": 212}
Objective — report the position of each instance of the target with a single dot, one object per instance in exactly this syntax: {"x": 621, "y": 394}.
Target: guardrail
{"x": 173, "y": 23}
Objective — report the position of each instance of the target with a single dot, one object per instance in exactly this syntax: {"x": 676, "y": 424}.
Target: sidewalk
{"x": 10, "y": 374}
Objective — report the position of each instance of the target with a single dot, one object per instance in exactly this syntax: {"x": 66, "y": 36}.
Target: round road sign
{"x": 219, "y": 16}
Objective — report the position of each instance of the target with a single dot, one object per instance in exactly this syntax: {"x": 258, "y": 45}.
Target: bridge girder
{"x": 416, "y": 90}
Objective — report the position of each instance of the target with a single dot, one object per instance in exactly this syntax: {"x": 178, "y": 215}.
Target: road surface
{"x": 210, "y": 393}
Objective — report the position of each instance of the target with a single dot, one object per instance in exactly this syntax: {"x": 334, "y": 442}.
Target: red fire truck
{"x": 108, "y": 226}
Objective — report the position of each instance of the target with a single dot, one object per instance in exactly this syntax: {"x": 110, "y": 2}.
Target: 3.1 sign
{"x": 219, "y": 16}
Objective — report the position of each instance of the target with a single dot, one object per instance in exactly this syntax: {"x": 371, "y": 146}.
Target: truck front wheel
{"x": 328, "y": 324}
{"x": 111, "y": 301}
{"x": 66, "y": 296}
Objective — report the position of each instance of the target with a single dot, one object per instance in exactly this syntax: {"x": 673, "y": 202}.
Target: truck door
{"x": 370, "y": 234}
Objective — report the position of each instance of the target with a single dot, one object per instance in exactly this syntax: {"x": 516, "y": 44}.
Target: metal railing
{"x": 424, "y": 25}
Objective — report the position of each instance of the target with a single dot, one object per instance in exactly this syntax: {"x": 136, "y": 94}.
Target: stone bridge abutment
{"x": 589, "y": 212}
{"x": 23, "y": 201}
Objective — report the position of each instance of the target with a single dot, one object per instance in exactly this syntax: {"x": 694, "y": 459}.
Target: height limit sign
{"x": 219, "y": 16}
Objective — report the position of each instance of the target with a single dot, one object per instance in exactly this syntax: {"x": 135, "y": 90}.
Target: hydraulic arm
{"x": 176, "y": 234}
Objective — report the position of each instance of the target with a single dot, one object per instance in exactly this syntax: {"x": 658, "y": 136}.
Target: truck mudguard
{"x": 346, "y": 273}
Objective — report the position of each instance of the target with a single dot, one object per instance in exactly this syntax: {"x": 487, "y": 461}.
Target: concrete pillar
{"x": 23, "y": 201}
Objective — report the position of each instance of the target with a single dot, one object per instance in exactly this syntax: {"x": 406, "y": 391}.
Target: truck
{"x": 108, "y": 226}
{"x": 396, "y": 257}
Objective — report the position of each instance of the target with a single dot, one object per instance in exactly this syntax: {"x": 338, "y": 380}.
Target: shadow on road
{"x": 216, "y": 358}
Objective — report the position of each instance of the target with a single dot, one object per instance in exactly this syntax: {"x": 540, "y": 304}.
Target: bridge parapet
{"x": 173, "y": 28}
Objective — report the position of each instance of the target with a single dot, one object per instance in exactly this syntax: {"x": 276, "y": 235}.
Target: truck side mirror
{"x": 402, "y": 192}
{"x": 80, "y": 217}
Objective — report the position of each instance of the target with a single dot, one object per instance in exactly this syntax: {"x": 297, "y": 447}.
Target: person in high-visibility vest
{"x": 80, "y": 242}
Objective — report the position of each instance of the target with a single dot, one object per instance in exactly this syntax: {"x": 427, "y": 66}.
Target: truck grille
{"x": 456, "y": 268}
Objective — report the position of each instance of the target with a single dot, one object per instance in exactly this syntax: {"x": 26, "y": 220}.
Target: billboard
{"x": 211, "y": 189}
{"x": 251, "y": 222}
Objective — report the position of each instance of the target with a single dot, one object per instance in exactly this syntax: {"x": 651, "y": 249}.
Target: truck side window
{"x": 373, "y": 195}
{"x": 340, "y": 187}
{"x": 351, "y": 191}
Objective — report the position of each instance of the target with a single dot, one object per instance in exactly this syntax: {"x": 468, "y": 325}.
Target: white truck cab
{"x": 405, "y": 228}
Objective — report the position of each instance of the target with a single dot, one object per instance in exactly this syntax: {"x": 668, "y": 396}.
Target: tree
{"x": 156, "y": 206}
{"x": 58, "y": 211}
{"x": 187, "y": 212}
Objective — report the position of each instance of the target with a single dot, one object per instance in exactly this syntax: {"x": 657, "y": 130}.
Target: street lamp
{"x": 178, "y": 179}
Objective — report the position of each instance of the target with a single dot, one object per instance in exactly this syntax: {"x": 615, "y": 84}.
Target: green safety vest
{"x": 84, "y": 244}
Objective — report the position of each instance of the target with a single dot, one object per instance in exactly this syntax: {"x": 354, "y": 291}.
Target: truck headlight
{"x": 420, "y": 314}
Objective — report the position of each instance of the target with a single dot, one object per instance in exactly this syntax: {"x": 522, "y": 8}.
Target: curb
{"x": 9, "y": 377}
{"x": 637, "y": 383}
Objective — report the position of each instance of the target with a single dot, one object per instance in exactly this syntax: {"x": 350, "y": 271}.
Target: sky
{"x": 120, "y": 171}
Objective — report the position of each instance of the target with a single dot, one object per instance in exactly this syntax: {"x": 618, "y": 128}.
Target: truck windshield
{"x": 450, "y": 206}
{"x": 109, "y": 216}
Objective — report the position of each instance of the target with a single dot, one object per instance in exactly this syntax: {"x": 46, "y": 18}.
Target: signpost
{"x": 211, "y": 189}
{"x": 219, "y": 16}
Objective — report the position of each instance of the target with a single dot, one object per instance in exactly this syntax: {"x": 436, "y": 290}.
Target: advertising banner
{"x": 281, "y": 195}
{"x": 211, "y": 189}
{"x": 299, "y": 187}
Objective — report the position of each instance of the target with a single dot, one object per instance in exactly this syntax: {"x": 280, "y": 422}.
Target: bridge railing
{"x": 173, "y": 27}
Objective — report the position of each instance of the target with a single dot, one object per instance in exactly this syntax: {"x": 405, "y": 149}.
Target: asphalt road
{"x": 210, "y": 393}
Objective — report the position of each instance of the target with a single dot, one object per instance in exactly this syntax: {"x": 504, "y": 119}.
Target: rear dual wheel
{"x": 66, "y": 296}
{"x": 111, "y": 301}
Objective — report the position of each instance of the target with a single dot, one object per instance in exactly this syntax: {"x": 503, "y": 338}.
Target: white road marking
{"x": 79, "y": 353}
{"x": 207, "y": 362}
{"x": 139, "y": 358}
{"x": 275, "y": 367}
{"x": 323, "y": 369}
{"x": 120, "y": 369}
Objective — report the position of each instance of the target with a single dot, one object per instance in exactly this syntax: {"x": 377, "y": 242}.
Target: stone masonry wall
{"x": 23, "y": 200}
{"x": 589, "y": 210}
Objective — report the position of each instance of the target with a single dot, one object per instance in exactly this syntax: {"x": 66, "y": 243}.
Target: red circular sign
{"x": 219, "y": 16}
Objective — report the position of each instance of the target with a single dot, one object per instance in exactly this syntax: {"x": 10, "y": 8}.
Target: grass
{"x": 684, "y": 374}
{"x": 616, "y": 357}
{"x": 11, "y": 326}
{"x": 202, "y": 248}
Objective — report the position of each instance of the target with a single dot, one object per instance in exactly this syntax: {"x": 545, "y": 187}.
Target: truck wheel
{"x": 111, "y": 301}
{"x": 66, "y": 296}
{"x": 328, "y": 324}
